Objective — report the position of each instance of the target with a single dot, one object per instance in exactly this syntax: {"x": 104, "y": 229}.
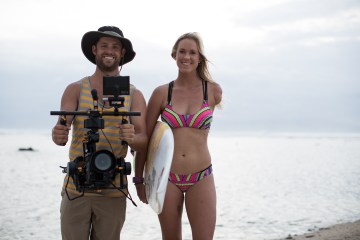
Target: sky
{"x": 283, "y": 65}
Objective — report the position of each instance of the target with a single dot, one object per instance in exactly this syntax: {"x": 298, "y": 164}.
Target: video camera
{"x": 97, "y": 169}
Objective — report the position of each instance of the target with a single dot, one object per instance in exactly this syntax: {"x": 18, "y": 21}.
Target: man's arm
{"x": 69, "y": 102}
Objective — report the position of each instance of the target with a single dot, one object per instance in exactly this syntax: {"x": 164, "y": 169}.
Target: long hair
{"x": 202, "y": 69}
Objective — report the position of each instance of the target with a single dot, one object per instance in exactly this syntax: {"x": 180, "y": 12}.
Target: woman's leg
{"x": 170, "y": 217}
{"x": 200, "y": 202}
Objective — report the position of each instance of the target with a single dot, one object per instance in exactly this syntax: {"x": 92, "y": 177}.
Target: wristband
{"x": 138, "y": 180}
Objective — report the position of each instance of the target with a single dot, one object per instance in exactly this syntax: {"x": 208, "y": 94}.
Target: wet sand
{"x": 346, "y": 231}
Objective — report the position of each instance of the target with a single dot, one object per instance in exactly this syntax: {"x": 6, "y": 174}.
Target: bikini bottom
{"x": 185, "y": 181}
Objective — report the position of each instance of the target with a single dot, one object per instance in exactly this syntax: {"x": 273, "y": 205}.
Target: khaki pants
{"x": 95, "y": 218}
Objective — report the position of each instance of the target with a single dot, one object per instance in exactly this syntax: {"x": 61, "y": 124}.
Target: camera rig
{"x": 96, "y": 170}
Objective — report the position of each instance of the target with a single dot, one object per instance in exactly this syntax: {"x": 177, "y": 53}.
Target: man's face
{"x": 108, "y": 53}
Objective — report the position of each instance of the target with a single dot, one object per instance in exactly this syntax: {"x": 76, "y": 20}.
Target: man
{"x": 100, "y": 213}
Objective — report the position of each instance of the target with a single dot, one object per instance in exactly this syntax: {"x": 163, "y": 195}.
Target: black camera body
{"x": 97, "y": 169}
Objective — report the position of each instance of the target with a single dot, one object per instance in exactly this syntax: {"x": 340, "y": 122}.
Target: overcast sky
{"x": 284, "y": 65}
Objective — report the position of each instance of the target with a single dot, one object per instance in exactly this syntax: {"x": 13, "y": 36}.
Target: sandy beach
{"x": 346, "y": 231}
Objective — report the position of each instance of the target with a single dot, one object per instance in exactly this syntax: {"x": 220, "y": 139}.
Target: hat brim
{"x": 90, "y": 38}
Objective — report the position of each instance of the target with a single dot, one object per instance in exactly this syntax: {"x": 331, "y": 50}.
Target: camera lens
{"x": 103, "y": 161}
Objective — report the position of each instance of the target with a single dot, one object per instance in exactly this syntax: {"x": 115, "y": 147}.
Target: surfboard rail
{"x": 158, "y": 164}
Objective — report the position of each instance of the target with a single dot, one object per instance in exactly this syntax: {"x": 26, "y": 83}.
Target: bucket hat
{"x": 91, "y": 38}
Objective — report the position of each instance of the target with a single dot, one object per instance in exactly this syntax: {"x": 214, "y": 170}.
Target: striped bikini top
{"x": 201, "y": 119}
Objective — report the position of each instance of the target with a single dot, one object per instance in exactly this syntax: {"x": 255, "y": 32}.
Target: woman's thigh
{"x": 200, "y": 202}
{"x": 170, "y": 217}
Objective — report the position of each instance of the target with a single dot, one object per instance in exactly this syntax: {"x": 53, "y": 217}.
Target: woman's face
{"x": 187, "y": 55}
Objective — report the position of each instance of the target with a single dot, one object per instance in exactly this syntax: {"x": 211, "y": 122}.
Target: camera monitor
{"x": 115, "y": 86}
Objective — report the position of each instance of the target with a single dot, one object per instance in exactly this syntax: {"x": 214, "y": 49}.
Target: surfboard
{"x": 158, "y": 163}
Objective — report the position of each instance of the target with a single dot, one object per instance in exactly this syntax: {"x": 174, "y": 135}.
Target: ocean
{"x": 268, "y": 186}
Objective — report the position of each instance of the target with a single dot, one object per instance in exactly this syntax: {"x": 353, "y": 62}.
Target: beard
{"x": 105, "y": 67}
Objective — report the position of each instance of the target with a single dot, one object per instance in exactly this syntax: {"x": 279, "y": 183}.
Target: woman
{"x": 186, "y": 105}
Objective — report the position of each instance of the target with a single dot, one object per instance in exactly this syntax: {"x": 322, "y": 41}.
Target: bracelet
{"x": 138, "y": 180}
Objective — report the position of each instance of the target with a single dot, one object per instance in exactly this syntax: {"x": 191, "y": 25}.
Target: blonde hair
{"x": 202, "y": 69}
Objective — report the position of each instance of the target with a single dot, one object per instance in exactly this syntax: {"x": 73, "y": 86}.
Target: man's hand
{"x": 127, "y": 132}
{"x": 60, "y": 134}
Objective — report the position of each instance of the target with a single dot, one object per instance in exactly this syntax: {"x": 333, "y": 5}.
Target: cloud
{"x": 284, "y": 65}
{"x": 291, "y": 23}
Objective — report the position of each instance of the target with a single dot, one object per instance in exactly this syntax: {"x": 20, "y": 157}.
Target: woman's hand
{"x": 140, "y": 189}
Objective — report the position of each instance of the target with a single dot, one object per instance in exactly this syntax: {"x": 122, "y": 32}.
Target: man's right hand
{"x": 60, "y": 134}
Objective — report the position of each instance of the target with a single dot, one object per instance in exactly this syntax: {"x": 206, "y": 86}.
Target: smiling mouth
{"x": 109, "y": 58}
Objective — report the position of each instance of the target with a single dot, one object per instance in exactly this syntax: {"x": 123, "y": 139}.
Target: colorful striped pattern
{"x": 201, "y": 120}
{"x": 185, "y": 181}
{"x": 111, "y": 132}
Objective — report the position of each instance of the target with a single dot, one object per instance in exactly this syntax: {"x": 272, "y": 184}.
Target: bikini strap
{"x": 171, "y": 84}
{"x": 204, "y": 83}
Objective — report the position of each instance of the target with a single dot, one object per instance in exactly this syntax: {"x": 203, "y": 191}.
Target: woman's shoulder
{"x": 159, "y": 96}
{"x": 215, "y": 88}
{"x": 161, "y": 88}
{"x": 214, "y": 84}
{"x": 216, "y": 91}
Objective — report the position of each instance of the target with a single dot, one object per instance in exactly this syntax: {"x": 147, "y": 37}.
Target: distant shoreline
{"x": 314, "y": 135}
{"x": 345, "y": 231}
{"x": 220, "y": 133}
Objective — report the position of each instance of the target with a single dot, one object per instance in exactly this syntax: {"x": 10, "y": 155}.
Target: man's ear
{"x": 123, "y": 52}
{"x": 93, "y": 49}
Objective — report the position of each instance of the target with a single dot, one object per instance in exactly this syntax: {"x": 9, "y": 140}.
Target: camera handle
{"x": 63, "y": 120}
{"x": 124, "y": 121}
{"x": 95, "y": 116}
{"x": 89, "y": 112}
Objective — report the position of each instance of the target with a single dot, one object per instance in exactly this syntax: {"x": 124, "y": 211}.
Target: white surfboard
{"x": 158, "y": 163}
